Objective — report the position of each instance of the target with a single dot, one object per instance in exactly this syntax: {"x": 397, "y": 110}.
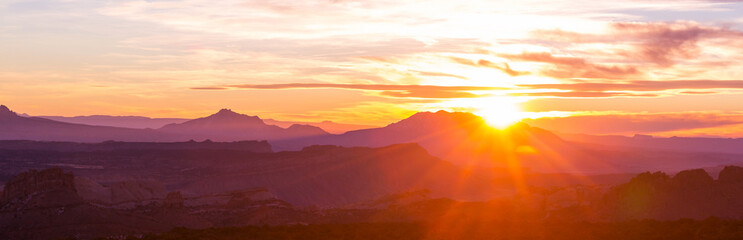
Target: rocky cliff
{"x": 34, "y": 189}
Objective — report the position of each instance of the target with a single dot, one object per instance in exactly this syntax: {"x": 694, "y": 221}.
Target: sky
{"x": 674, "y": 66}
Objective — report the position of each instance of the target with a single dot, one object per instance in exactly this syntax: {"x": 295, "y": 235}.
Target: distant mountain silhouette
{"x": 466, "y": 140}
{"x": 227, "y": 125}
{"x": 5, "y": 112}
{"x": 25, "y": 145}
{"x": 328, "y": 126}
{"x": 462, "y": 138}
{"x": 118, "y": 121}
{"x": 224, "y": 126}
{"x": 141, "y": 122}
{"x": 14, "y": 127}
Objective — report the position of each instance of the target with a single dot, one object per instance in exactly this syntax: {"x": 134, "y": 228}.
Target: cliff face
{"x": 45, "y": 188}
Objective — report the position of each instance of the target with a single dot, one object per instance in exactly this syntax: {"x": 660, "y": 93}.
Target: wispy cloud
{"x": 398, "y": 91}
{"x": 365, "y": 86}
{"x": 504, "y": 67}
{"x": 640, "y": 123}
{"x": 642, "y": 85}
{"x": 573, "y": 67}
{"x": 661, "y": 43}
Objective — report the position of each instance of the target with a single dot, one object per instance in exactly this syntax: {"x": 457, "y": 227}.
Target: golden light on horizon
{"x": 500, "y": 112}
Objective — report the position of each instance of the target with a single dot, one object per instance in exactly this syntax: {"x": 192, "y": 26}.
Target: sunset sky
{"x": 661, "y": 67}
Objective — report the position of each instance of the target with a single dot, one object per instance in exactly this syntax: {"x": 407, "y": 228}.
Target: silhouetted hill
{"x": 466, "y": 140}
{"x": 336, "y": 176}
{"x": 227, "y": 125}
{"x": 688, "y": 194}
{"x": 140, "y": 122}
{"x": 328, "y": 126}
{"x": 224, "y": 126}
{"x": 118, "y": 121}
{"x": 14, "y": 127}
{"x": 316, "y": 175}
{"x": 462, "y": 138}
{"x": 251, "y": 146}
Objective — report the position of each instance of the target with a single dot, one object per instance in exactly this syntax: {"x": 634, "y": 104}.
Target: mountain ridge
{"x": 227, "y": 125}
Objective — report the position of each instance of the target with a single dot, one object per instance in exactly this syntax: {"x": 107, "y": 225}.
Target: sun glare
{"x": 500, "y": 114}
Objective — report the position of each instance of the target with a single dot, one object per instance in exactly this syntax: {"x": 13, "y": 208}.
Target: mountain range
{"x": 117, "y": 121}
{"x": 460, "y": 138}
{"x": 140, "y": 122}
{"x": 223, "y": 126}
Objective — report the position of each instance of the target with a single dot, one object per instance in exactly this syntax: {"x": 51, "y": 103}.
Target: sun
{"x": 500, "y": 114}
{"x": 497, "y": 111}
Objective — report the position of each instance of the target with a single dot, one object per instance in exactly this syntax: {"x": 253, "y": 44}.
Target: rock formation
{"x": 46, "y": 188}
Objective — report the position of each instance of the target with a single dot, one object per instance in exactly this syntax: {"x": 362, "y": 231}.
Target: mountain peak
{"x": 6, "y": 112}
{"x": 442, "y": 117}
{"x": 228, "y": 114}
{"x": 226, "y": 111}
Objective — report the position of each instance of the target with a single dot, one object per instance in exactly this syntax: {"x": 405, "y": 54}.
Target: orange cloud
{"x": 580, "y": 94}
{"x": 641, "y": 85}
{"x": 572, "y": 67}
{"x": 642, "y": 123}
{"x": 485, "y": 63}
{"x": 398, "y": 91}
{"x": 661, "y": 43}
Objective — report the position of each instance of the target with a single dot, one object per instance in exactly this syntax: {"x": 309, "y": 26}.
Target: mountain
{"x": 15, "y": 127}
{"x": 466, "y": 140}
{"x": 25, "y": 145}
{"x": 118, "y": 121}
{"x": 462, "y": 138}
{"x": 140, "y": 122}
{"x": 224, "y": 126}
{"x": 227, "y": 125}
{"x": 328, "y": 126}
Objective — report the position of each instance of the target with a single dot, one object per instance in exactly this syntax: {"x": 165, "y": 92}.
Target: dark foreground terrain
{"x": 711, "y": 228}
{"x": 246, "y": 190}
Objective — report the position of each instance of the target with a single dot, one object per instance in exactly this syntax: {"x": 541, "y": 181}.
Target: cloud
{"x": 629, "y": 124}
{"x": 430, "y": 94}
{"x": 584, "y": 94}
{"x": 661, "y": 43}
{"x": 365, "y": 86}
{"x": 571, "y": 90}
{"x": 437, "y": 74}
{"x": 389, "y": 90}
{"x": 504, "y": 67}
{"x": 208, "y": 88}
{"x": 642, "y": 85}
{"x": 572, "y": 67}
